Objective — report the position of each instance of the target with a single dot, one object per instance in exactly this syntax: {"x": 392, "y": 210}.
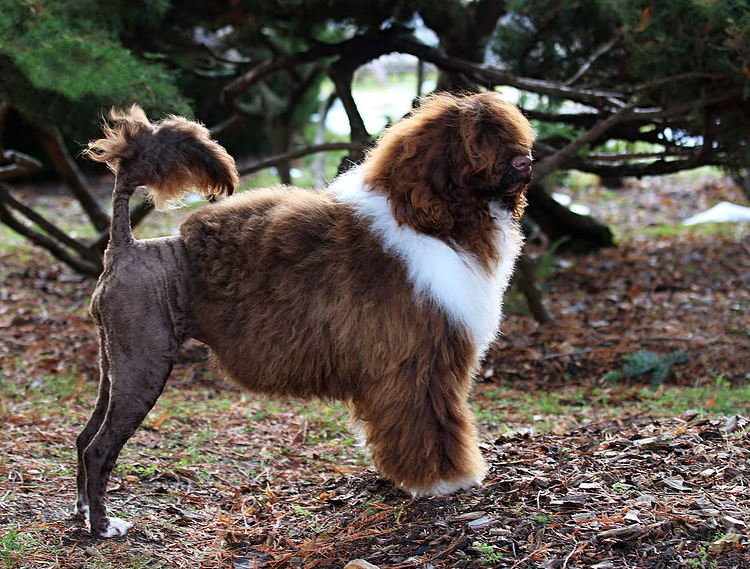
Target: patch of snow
{"x": 723, "y": 212}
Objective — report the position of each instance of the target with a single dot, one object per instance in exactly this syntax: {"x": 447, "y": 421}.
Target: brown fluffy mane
{"x": 435, "y": 162}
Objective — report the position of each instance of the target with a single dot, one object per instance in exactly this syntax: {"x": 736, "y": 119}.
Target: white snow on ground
{"x": 720, "y": 213}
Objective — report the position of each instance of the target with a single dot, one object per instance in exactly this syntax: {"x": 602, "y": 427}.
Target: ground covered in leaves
{"x": 616, "y": 437}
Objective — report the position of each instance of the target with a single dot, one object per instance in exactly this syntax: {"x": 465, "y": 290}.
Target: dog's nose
{"x": 522, "y": 164}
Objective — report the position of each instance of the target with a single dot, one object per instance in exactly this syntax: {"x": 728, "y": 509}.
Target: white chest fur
{"x": 454, "y": 280}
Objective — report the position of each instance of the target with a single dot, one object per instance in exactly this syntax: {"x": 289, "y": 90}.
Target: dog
{"x": 383, "y": 290}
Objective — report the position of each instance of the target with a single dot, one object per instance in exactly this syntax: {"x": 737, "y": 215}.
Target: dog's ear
{"x": 423, "y": 209}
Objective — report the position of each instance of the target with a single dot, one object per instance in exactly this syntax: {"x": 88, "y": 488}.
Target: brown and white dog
{"x": 384, "y": 290}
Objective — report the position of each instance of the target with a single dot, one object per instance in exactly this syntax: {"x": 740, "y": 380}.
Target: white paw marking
{"x": 442, "y": 487}
{"x": 81, "y": 511}
{"x": 116, "y": 528}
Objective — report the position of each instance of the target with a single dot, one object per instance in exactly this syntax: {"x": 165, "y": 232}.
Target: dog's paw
{"x": 443, "y": 487}
{"x": 115, "y": 527}
{"x": 81, "y": 511}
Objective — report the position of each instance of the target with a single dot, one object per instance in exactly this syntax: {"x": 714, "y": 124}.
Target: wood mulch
{"x": 643, "y": 494}
{"x": 238, "y": 486}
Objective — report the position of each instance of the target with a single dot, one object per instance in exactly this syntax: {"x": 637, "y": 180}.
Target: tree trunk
{"x": 583, "y": 233}
{"x": 525, "y": 279}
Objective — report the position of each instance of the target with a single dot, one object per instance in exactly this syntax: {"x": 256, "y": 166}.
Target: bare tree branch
{"x": 298, "y": 153}
{"x": 17, "y": 164}
{"x": 233, "y": 89}
{"x": 554, "y": 162}
{"x": 38, "y": 238}
{"x": 343, "y": 82}
{"x": 484, "y": 74}
{"x": 655, "y": 168}
{"x": 596, "y": 55}
{"x": 366, "y": 48}
{"x": 35, "y": 217}
{"x": 68, "y": 169}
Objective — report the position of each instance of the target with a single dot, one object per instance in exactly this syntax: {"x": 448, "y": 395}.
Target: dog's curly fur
{"x": 383, "y": 290}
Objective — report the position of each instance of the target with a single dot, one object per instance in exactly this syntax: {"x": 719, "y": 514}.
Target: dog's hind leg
{"x": 90, "y": 430}
{"x": 143, "y": 321}
{"x": 137, "y": 375}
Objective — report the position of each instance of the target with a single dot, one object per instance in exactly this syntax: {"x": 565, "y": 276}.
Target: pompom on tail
{"x": 171, "y": 157}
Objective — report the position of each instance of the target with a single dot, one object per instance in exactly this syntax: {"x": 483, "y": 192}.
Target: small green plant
{"x": 648, "y": 365}
{"x": 10, "y": 549}
{"x": 543, "y": 519}
{"x": 489, "y": 555}
{"x": 703, "y": 561}
{"x": 620, "y": 487}
{"x": 722, "y": 383}
{"x": 546, "y": 262}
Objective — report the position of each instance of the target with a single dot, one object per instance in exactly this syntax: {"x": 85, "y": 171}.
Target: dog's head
{"x": 445, "y": 163}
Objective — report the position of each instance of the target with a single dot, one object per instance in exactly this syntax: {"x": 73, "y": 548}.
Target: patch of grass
{"x": 11, "y": 549}
{"x": 327, "y": 422}
{"x": 500, "y": 409}
{"x": 717, "y": 398}
{"x": 726, "y": 230}
{"x": 12, "y": 242}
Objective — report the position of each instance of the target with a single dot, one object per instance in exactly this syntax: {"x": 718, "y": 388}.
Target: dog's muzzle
{"x": 520, "y": 172}
{"x": 516, "y": 177}
{"x": 523, "y": 165}
{"x": 509, "y": 191}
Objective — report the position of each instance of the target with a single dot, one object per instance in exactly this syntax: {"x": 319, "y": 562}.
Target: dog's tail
{"x": 170, "y": 158}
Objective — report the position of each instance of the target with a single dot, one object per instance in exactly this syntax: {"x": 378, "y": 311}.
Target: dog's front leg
{"x": 424, "y": 440}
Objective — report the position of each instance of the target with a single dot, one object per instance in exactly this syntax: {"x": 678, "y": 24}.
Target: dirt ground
{"x": 611, "y": 473}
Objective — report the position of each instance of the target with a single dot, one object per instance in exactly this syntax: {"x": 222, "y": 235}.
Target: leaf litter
{"x": 218, "y": 479}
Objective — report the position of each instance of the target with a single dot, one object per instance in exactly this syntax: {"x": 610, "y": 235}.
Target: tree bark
{"x": 583, "y": 233}
{"x": 525, "y": 278}
{"x": 68, "y": 169}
